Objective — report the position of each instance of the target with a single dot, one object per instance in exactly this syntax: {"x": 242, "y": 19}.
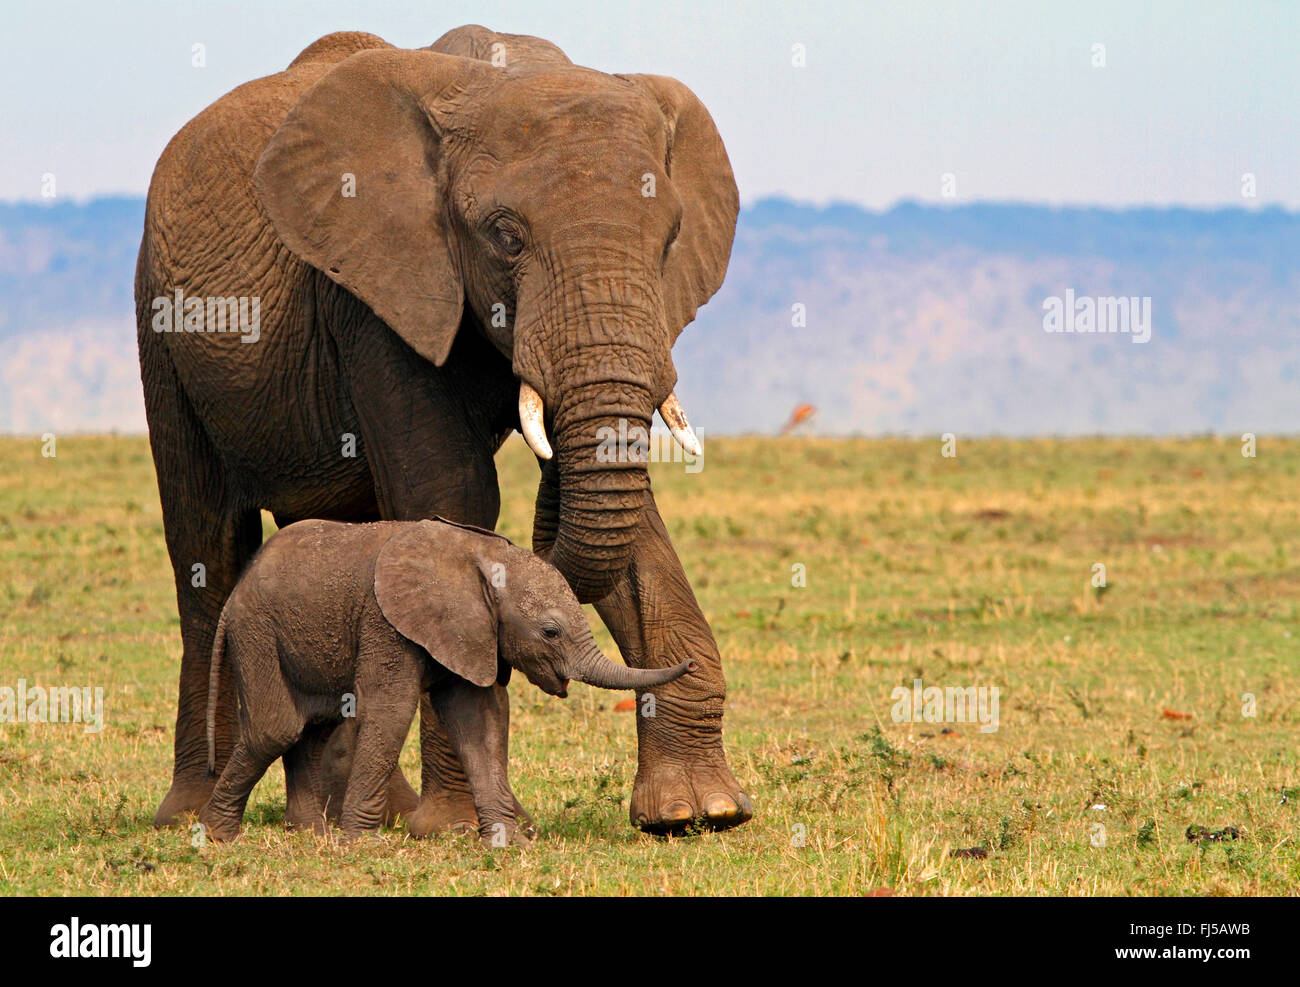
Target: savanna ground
{"x": 1121, "y": 708}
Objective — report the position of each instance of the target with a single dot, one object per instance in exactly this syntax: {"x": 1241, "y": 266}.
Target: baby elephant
{"x": 335, "y": 619}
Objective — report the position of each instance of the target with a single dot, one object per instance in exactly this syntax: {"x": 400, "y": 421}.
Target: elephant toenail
{"x": 677, "y": 811}
{"x": 721, "y": 807}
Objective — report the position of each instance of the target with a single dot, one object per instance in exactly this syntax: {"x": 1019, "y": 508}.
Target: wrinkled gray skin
{"x": 384, "y": 613}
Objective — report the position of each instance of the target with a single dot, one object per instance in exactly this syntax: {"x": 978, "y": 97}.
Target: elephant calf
{"x": 333, "y": 620}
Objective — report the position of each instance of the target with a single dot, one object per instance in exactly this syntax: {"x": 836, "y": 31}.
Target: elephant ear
{"x": 351, "y": 184}
{"x": 435, "y": 594}
{"x": 502, "y": 50}
{"x": 699, "y": 169}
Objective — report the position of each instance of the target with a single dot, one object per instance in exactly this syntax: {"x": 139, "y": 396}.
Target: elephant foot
{"x": 443, "y": 812}
{"x": 183, "y": 801}
{"x": 305, "y": 815}
{"x": 453, "y": 812}
{"x": 218, "y": 828}
{"x": 671, "y": 798}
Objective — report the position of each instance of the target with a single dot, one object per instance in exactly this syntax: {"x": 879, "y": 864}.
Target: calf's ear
{"x": 440, "y": 599}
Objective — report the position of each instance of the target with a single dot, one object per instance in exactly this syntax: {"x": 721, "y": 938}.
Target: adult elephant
{"x": 444, "y": 244}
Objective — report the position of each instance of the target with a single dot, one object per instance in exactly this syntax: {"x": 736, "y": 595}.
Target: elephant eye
{"x": 551, "y": 631}
{"x": 508, "y": 238}
{"x": 672, "y": 238}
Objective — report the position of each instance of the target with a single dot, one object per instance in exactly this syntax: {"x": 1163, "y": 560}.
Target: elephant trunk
{"x": 593, "y": 668}
{"x": 602, "y": 483}
{"x": 593, "y": 355}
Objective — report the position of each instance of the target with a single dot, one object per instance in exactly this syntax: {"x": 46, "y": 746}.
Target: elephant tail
{"x": 214, "y": 689}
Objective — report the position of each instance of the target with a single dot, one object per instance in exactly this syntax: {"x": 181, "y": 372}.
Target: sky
{"x": 1005, "y": 98}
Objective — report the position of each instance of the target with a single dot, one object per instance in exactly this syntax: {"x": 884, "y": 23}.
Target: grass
{"x": 967, "y": 571}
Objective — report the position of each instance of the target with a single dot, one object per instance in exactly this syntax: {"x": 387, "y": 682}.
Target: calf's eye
{"x": 551, "y": 632}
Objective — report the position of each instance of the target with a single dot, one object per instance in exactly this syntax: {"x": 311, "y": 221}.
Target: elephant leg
{"x": 477, "y": 732}
{"x": 318, "y": 779}
{"x": 380, "y": 733}
{"x": 210, "y": 538}
{"x": 682, "y": 776}
{"x": 438, "y": 462}
{"x": 403, "y": 800}
{"x": 445, "y": 801}
{"x": 270, "y": 727}
{"x": 224, "y": 811}
{"x": 447, "y": 804}
{"x": 306, "y": 797}
{"x": 223, "y": 558}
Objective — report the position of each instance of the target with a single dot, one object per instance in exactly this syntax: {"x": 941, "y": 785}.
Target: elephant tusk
{"x": 530, "y": 421}
{"x": 674, "y": 417}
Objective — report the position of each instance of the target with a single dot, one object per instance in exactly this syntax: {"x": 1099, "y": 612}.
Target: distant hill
{"x": 919, "y": 319}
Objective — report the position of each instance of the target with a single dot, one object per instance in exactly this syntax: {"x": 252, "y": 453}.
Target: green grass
{"x": 967, "y": 571}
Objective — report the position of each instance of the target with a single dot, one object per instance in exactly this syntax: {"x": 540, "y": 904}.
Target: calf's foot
{"x": 497, "y": 836}
{"x": 452, "y": 811}
{"x": 217, "y": 826}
